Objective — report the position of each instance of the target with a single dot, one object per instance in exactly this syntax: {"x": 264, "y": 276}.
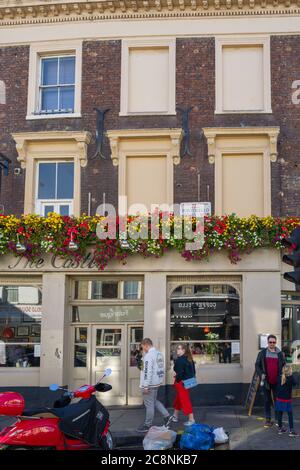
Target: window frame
{"x": 148, "y": 43}
{"x": 16, "y": 283}
{"x": 58, "y": 86}
{"x": 43, "y": 50}
{"x": 221, "y": 42}
{"x": 242, "y": 141}
{"x": 40, "y": 203}
{"x": 211, "y": 283}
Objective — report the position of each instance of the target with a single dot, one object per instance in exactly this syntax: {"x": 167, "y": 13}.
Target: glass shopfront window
{"x": 290, "y": 321}
{"x": 207, "y": 317}
{"x": 94, "y": 289}
{"x": 20, "y": 325}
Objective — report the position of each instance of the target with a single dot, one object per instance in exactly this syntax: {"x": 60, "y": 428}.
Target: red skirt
{"x": 182, "y": 400}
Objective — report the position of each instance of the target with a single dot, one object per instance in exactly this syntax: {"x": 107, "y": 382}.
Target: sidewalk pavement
{"x": 246, "y": 433}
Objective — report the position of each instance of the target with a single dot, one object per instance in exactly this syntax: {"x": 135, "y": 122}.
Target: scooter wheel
{"x": 107, "y": 442}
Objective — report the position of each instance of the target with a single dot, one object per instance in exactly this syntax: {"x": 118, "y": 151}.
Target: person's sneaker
{"x": 293, "y": 433}
{"x": 268, "y": 423}
{"x": 167, "y": 420}
{"x": 282, "y": 430}
{"x": 143, "y": 428}
{"x": 174, "y": 419}
{"x": 189, "y": 423}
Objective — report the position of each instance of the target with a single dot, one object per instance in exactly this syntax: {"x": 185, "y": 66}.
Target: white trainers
{"x": 174, "y": 419}
{"x": 189, "y": 423}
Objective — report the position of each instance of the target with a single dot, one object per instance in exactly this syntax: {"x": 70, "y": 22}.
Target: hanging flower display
{"x": 32, "y": 236}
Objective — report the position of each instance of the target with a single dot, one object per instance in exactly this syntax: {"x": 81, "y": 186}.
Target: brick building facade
{"x": 86, "y": 316}
{"x": 195, "y": 86}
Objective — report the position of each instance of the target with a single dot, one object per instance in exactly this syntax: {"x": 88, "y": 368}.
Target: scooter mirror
{"x": 107, "y": 372}
{"x": 54, "y": 387}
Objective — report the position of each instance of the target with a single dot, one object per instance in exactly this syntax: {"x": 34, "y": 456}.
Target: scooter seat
{"x": 44, "y": 412}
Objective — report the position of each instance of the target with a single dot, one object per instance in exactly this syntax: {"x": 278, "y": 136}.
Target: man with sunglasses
{"x": 269, "y": 364}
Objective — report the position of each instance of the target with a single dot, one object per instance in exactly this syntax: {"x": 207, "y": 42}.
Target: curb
{"x": 132, "y": 439}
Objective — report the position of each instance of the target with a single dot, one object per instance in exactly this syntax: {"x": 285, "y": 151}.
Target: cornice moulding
{"x": 22, "y": 140}
{"x": 212, "y": 133}
{"x": 116, "y": 136}
{"x": 36, "y": 11}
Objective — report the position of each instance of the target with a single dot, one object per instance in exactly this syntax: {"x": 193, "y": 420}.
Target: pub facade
{"x": 138, "y": 103}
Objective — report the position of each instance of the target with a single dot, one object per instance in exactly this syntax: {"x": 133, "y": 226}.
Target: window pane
{"x": 80, "y": 348}
{"x": 49, "y": 71}
{"x": 66, "y": 99}
{"x": 46, "y": 185}
{"x": 211, "y": 353}
{"x": 65, "y": 180}
{"x": 136, "y": 336}
{"x": 48, "y": 209}
{"x": 49, "y": 99}
{"x": 80, "y": 355}
{"x": 108, "y": 337}
{"x": 67, "y": 70}
{"x": 64, "y": 210}
{"x": 12, "y": 295}
{"x": 107, "y": 289}
{"x": 208, "y": 318}
{"x": 20, "y": 295}
{"x": 20, "y": 325}
{"x": 19, "y": 355}
{"x": 131, "y": 289}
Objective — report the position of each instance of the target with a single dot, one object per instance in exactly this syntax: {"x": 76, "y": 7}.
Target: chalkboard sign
{"x": 251, "y": 395}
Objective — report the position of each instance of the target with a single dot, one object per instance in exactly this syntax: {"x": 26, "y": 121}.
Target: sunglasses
{"x": 272, "y": 342}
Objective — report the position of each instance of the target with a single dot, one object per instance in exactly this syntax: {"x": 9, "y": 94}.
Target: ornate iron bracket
{"x": 4, "y": 166}
{"x": 185, "y": 146}
{"x": 100, "y": 132}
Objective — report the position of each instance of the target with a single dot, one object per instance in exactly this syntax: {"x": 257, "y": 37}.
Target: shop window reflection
{"x": 207, "y": 317}
{"x": 20, "y": 325}
{"x": 290, "y": 321}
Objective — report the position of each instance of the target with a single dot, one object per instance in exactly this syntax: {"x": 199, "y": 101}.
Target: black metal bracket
{"x": 100, "y": 132}
{"x": 185, "y": 145}
{"x": 4, "y": 166}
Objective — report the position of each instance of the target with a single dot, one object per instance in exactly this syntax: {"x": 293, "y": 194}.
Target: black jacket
{"x": 260, "y": 364}
{"x": 285, "y": 391}
{"x": 184, "y": 369}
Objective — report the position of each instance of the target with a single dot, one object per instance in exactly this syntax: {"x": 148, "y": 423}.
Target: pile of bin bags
{"x": 195, "y": 437}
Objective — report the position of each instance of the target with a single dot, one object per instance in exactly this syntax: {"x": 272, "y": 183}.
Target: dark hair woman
{"x": 184, "y": 369}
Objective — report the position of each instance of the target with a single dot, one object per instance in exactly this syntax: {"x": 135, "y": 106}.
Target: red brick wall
{"x": 195, "y": 78}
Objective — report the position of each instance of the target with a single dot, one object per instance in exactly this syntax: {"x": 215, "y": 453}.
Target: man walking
{"x": 152, "y": 375}
{"x": 269, "y": 364}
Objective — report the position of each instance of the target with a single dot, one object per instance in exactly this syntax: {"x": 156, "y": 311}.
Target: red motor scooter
{"x": 70, "y": 425}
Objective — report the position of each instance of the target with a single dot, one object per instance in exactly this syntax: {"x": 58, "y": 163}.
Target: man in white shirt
{"x": 2, "y": 353}
{"x": 152, "y": 375}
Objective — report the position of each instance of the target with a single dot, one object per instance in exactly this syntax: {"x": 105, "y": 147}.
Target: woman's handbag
{"x": 190, "y": 383}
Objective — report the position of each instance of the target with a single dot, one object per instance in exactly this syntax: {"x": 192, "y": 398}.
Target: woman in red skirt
{"x": 184, "y": 369}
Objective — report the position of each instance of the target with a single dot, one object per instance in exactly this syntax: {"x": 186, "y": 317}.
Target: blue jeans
{"x": 291, "y": 420}
{"x": 269, "y": 401}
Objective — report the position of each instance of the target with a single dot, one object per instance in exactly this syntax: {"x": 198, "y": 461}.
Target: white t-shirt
{"x": 2, "y": 352}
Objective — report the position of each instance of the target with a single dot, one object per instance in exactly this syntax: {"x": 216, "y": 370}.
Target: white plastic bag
{"x": 220, "y": 436}
{"x": 159, "y": 438}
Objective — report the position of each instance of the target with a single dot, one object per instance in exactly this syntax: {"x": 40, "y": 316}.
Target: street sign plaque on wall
{"x": 195, "y": 209}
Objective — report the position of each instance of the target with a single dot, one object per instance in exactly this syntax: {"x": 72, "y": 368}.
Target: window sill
{"x": 245, "y": 112}
{"x": 17, "y": 369}
{"x": 32, "y": 117}
{"x": 164, "y": 113}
